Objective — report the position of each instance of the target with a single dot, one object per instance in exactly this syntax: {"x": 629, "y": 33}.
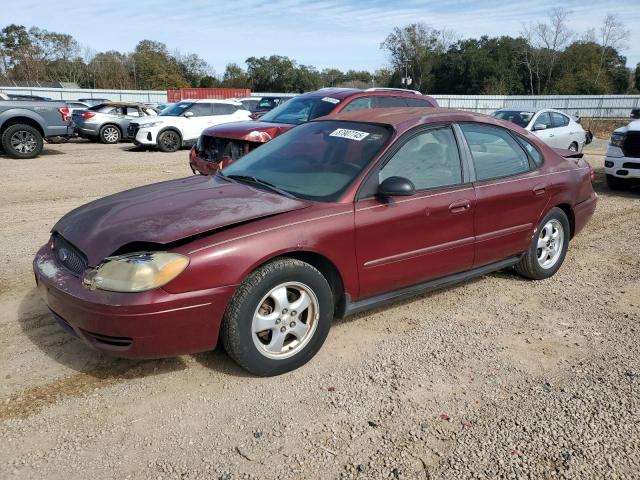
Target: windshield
{"x": 300, "y": 110}
{"x": 315, "y": 161}
{"x": 518, "y": 117}
{"x": 176, "y": 109}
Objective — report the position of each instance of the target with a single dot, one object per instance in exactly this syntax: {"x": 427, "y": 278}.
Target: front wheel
{"x": 548, "y": 247}
{"x": 169, "y": 141}
{"x": 22, "y": 141}
{"x": 278, "y": 318}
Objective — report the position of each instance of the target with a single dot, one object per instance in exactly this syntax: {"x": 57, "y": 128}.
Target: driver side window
{"x": 430, "y": 160}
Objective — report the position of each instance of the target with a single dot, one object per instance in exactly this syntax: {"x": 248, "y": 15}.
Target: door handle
{"x": 460, "y": 206}
{"x": 551, "y": 134}
{"x": 539, "y": 190}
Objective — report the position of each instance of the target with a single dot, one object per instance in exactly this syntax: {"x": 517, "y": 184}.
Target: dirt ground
{"x": 495, "y": 378}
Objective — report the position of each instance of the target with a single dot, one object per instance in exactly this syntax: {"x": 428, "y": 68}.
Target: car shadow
{"x": 41, "y": 329}
{"x": 601, "y": 188}
{"x": 46, "y": 152}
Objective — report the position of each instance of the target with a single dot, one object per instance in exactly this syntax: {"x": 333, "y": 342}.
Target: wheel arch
{"x": 21, "y": 120}
{"x": 322, "y": 263}
{"x": 173, "y": 129}
{"x": 568, "y": 211}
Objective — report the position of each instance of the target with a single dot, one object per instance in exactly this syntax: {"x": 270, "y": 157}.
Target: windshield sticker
{"x": 330, "y": 100}
{"x": 350, "y": 134}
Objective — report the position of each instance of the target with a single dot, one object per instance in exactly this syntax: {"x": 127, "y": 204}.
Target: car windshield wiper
{"x": 258, "y": 181}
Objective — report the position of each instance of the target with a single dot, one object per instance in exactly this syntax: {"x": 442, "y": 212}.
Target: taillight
{"x": 66, "y": 115}
{"x": 87, "y": 115}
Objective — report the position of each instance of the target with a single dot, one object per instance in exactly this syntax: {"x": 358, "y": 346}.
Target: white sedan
{"x": 556, "y": 129}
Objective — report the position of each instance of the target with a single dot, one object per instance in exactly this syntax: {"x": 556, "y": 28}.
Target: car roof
{"x": 211, "y": 100}
{"x": 405, "y": 118}
{"x": 531, "y": 109}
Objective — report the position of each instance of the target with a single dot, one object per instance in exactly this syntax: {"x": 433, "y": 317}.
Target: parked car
{"x": 622, "y": 160}
{"x": 554, "y": 127}
{"x": 327, "y": 219}
{"x": 109, "y": 122}
{"x": 25, "y": 124}
{"x": 249, "y": 103}
{"x": 94, "y": 101}
{"x": 266, "y": 104}
{"x": 181, "y": 124}
{"x": 221, "y": 145}
{"x": 162, "y": 106}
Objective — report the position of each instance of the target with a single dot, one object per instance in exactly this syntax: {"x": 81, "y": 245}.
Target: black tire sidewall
{"x": 161, "y": 146}
{"x": 104, "y": 140}
{"x": 6, "y": 141}
{"x": 248, "y": 355}
{"x": 542, "y": 273}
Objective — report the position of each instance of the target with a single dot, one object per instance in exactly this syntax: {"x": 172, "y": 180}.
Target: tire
{"x": 22, "y": 141}
{"x": 169, "y": 141}
{"x": 110, "y": 134}
{"x": 539, "y": 263}
{"x": 573, "y": 147}
{"x": 301, "y": 333}
{"x": 616, "y": 183}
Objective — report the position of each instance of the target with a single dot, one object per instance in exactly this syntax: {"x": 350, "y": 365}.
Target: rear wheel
{"x": 548, "y": 247}
{"x": 22, "y": 141}
{"x": 110, "y": 134}
{"x": 169, "y": 141}
{"x": 616, "y": 183}
{"x": 279, "y": 317}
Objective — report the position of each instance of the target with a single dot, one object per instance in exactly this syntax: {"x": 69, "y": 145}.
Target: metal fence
{"x": 598, "y": 106}
{"x": 157, "y": 96}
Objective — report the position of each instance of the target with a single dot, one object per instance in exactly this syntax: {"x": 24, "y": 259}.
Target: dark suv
{"x": 220, "y": 145}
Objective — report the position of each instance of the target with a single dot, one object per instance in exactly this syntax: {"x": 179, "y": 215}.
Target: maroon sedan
{"x": 220, "y": 145}
{"x": 333, "y": 217}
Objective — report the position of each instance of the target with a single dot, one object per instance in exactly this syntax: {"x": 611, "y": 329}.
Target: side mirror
{"x": 539, "y": 126}
{"x": 396, "y": 187}
{"x": 188, "y": 114}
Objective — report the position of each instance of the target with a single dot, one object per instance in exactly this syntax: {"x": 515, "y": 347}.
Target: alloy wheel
{"x": 23, "y": 141}
{"x": 285, "y": 320}
{"x": 550, "y": 243}
{"x": 111, "y": 134}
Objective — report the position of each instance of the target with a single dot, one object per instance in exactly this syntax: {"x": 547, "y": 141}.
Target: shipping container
{"x": 178, "y": 94}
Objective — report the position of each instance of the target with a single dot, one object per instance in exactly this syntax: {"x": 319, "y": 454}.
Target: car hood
{"x": 252, "y": 131}
{"x": 633, "y": 126}
{"x": 166, "y": 212}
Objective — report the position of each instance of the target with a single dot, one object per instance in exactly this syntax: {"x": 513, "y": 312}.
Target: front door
{"x": 195, "y": 124}
{"x": 402, "y": 241}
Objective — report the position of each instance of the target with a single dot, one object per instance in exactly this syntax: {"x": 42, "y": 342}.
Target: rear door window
{"x": 388, "y": 102}
{"x": 223, "y": 109}
{"x": 559, "y": 120}
{"x": 418, "y": 102}
{"x": 360, "y": 103}
{"x": 495, "y": 152}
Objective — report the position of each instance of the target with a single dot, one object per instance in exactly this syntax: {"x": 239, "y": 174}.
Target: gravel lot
{"x": 496, "y": 378}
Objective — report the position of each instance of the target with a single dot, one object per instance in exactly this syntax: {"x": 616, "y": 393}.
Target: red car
{"x": 220, "y": 145}
{"x": 369, "y": 207}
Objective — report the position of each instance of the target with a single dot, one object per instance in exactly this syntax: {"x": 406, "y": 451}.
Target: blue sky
{"x": 324, "y": 33}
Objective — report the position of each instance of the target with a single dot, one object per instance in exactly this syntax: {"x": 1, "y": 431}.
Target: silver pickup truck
{"x": 24, "y": 125}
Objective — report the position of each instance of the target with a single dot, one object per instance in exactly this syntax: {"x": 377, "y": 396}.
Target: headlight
{"x": 617, "y": 139}
{"x": 152, "y": 124}
{"x": 136, "y": 272}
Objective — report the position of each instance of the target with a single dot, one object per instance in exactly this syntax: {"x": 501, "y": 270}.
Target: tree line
{"x": 546, "y": 58}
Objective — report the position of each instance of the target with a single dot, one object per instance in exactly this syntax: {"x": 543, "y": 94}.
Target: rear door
{"x": 562, "y": 130}
{"x": 403, "y": 241}
{"x": 510, "y": 192}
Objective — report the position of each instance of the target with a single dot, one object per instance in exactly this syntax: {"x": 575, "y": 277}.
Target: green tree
{"x": 235, "y": 77}
{"x": 155, "y": 68}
